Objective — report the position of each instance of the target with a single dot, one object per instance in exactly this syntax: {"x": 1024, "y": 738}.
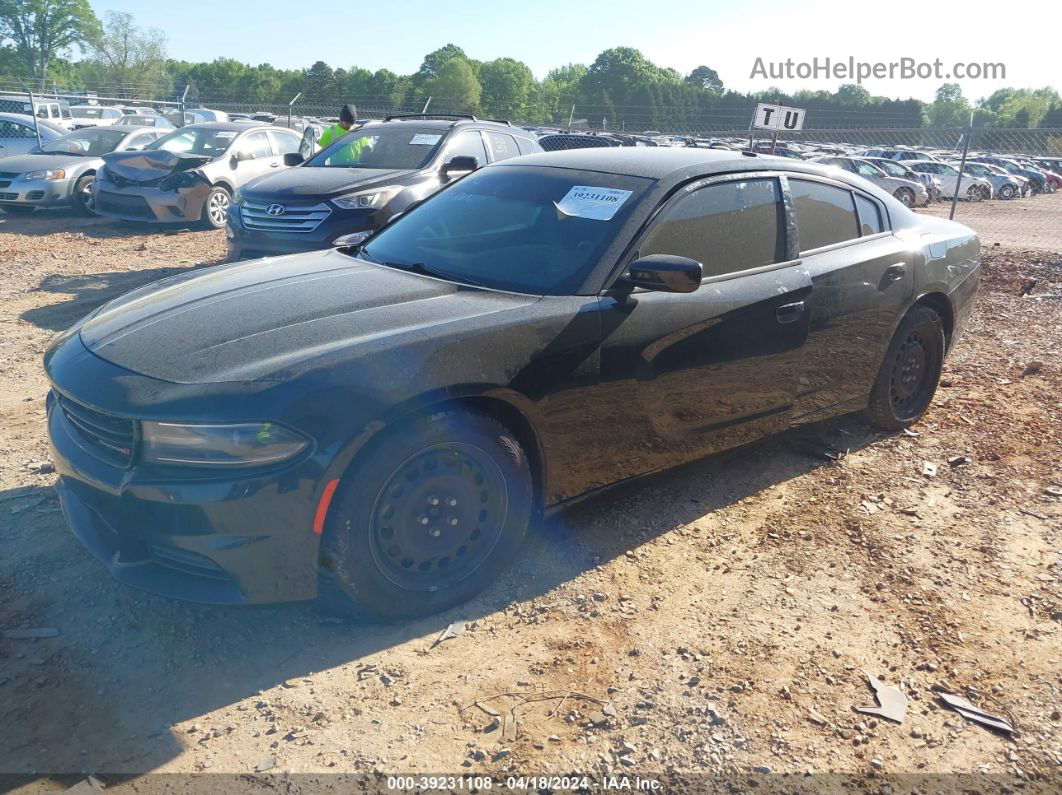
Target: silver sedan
{"x": 60, "y": 173}
{"x": 908, "y": 192}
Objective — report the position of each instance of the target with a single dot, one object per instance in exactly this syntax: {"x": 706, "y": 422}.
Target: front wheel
{"x": 909, "y": 373}
{"x": 83, "y": 201}
{"x": 905, "y": 196}
{"x": 1006, "y": 192}
{"x": 216, "y": 209}
{"x": 429, "y": 515}
{"x": 974, "y": 194}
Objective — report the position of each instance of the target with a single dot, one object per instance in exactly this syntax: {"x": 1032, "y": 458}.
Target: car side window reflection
{"x": 727, "y": 227}
{"x": 824, "y": 214}
{"x": 869, "y": 216}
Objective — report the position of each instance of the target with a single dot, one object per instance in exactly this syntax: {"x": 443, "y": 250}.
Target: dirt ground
{"x": 713, "y": 620}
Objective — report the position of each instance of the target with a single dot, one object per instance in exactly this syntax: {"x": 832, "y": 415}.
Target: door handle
{"x": 787, "y": 313}
{"x": 274, "y": 165}
{"x": 895, "y": 272}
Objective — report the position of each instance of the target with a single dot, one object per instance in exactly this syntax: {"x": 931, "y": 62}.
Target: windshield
{"x": 196, "y": 141}
{"x": 139, "y": 120}
{"x": 397, "y": 146}
{"x": 92, "y": 142}
{"x": 527, "y": 230}
{"x": 891, "y": 167}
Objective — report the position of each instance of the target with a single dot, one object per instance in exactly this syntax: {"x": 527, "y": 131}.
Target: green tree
{"x": 706, "y": 78}
{"x": 320, "y": 84}
{"x": 616, "y": 74}
{"x": 507, "y": 87}
{"x": 949, "y": 108}
{"x": 850, "y": 94}
{"x": 131, "y": 58}
{"x": 455, "y": 87}
{"x": 43, "y": 29}
{"x": 433, "y": 62}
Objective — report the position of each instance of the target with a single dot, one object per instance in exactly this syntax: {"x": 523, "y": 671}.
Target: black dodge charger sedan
{"x": 394, "y": 415}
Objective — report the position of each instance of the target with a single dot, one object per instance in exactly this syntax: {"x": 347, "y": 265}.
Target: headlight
{"x": 48, "y": 173}
{"x": 375, "y": 197}
{"x": 240, "y": 444}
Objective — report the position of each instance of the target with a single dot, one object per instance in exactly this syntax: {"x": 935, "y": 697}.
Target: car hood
{"x": 260, "y": 319}
{"x": 20, "y": 164}
{"x": 147, "y": 165}
{"x": 319, "y": 181}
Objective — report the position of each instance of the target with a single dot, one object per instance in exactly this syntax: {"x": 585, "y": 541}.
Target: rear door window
{"x": 284, "y": 143}
{"x": 727, "y": 227}
{"x": 256, "y": 144}
{"x": 869, "y": 216}
{"x": 825, "y": 214}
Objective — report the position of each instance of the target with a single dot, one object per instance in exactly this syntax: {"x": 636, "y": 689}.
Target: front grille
{"x": 124, "y": 205}
{"x": 295, "y": 218}
{"x": 111, "y": 438}
{"x": 8, "y": 197}
{"x": 34, "y": 195}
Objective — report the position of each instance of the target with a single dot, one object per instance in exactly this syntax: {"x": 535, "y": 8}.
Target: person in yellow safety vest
{"x": 350, "y": 153}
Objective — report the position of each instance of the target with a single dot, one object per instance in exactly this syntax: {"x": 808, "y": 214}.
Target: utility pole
{"x": 571, "y": 117}
{"x": 425, "y": 109}
{"x": 962, "y": 166}
{"x": 294, "y": 99}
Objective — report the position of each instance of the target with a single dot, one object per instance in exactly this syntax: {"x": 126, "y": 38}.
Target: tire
{"x": 216, "y": 208}
{"x": 83, "y": 200}
{"x": 905, "y": 196}
{"x": 428, "y": 516}
{"x": 1007, "y": 191}
{"x": 909, "y": 372}
{"x": 974, "y": 194}
{"x": 18, "y": 209}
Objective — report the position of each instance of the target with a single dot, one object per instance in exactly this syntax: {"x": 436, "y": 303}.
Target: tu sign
{"x": 778, "y": 117}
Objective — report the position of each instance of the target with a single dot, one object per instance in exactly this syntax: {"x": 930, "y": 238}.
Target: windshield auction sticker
{"x": 598, "y": 204}
{"x": 425, "y": 139}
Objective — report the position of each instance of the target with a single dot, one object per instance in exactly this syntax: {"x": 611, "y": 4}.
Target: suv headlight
{"x": 237, "y": 444}
{"x": 48, "y": 173}
{"x": 363, "y": 199}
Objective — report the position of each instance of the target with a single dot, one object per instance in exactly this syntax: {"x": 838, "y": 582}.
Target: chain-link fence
{"x": 1007, "y": 190}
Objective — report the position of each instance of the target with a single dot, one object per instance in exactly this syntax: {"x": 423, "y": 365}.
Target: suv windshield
{"x": 90, "y": 143}
{"x": 398, "y": 146}
{"x": 516, "y": 228}
{"x": 196, "y": 141}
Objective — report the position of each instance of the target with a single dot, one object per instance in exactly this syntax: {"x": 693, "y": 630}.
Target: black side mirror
{"x": 293, "y": 159}
{"x": 459, "y": 166}
{"x": 665, "y": 273}
{"x": 238, "y": 157}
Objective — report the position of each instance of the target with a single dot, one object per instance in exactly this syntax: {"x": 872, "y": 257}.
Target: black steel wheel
{"x": 910, "y": 371}
{"x": 428, "y": 515}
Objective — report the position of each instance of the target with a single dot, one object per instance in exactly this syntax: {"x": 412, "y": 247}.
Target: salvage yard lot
{"x": 727, "y": 609}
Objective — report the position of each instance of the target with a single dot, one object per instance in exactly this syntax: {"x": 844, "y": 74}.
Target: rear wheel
{"x": 909, "y": 372}
{"x": 905, "y": 196}
{"x": 429, "y": 515}
{"x": 83, "y": 200}
{"x": 216, "y": 209}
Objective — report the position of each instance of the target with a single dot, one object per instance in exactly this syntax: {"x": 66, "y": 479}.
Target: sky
{"x": 727, "y": 36}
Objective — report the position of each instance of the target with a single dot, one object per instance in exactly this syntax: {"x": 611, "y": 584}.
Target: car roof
{"x": 664, "y": 163}
{"x": 231, "y": 126}
{"x": 446, "y": 124}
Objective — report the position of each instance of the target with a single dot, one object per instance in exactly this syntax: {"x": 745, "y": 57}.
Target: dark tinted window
{"x": 10, "y": 129}
{"x": 824, "y": 214}
{"x": 468, "y": 144}
{"x": 729, "y": 227}
{"x": 869, "y": 215}
{"x": 502, "y": 146}
{"x": 532, "y": 230}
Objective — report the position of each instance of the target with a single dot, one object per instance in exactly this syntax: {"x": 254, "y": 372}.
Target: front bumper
{"x": 37, "y": 192}
{"x": 150, "y": 205}
{"x": 241, "y": 537}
